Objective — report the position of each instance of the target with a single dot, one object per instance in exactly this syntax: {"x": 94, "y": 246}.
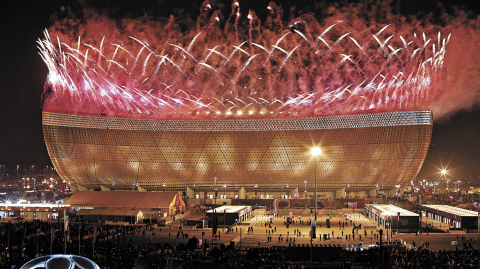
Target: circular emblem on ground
{"x": 60, "y": 261}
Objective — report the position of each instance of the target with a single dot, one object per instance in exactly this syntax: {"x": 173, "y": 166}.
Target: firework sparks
{"x": 294, "y": 73}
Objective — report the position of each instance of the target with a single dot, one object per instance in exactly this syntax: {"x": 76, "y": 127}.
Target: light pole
{"x": 478, "y": 225}
{"x": 315, "y": 152}
{"x": 398, "y": 220}
{"x": 444, "y": 172}
{"x": 214, "y": 230}
{"x": 390, "y": 226}
{"x": 305, "y": 182}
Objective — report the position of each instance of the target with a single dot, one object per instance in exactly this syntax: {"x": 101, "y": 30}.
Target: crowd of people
{"x": 24, "y": 240}
{"x": 110, "y": 253}
{"x": 417, "y": 258}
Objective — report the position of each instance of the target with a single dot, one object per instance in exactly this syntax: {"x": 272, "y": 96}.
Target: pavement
{"x": 260, "y": 233}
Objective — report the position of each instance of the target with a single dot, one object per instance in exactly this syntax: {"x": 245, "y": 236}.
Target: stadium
{"x": 241, "y": 158}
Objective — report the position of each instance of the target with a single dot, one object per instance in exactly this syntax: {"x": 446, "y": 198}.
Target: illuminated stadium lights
{"x": 316, "y": 151}
{"x": 360, "y": 150}
{"x": 444, "y": 172}
{"x": 35, "y": 205}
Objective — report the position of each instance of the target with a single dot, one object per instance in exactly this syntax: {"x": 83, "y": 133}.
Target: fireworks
{"x": 303, "y": 70}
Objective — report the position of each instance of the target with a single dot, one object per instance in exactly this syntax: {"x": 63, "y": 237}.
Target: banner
{"x": 352, "y": 205}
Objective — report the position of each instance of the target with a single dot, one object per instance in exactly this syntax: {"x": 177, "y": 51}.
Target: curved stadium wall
{"x": 358, "y": 151}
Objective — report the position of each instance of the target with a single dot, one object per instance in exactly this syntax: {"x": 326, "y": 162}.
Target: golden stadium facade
{"x": 358, "y": 151}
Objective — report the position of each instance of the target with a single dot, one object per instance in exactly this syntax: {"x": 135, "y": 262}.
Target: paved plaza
{"x": 437, "y": 241}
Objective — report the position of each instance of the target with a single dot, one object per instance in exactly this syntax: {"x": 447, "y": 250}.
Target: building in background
{"x": 126, "y": 206}
{"x": 240, "y": 158}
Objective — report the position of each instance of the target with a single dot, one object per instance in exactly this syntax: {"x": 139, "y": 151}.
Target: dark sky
{"x": 22, "y": 74}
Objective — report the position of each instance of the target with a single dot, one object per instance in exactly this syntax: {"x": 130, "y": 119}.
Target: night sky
{"x": 455, "y": 141}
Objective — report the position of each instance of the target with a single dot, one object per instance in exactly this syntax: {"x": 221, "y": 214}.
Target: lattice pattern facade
{"x": 358, "y": 151}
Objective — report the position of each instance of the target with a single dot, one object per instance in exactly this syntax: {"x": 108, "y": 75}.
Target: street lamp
{"x": 444, "y": 173}
{"x": 315, "y": 151}
{"x": 214, "y": 230}
{"x": 305, "y": 182}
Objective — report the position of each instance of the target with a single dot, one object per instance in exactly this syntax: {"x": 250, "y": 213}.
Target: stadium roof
{"x": 453, "y": 210}
{"x": 121, "y": 199}
{"x": 230, "y": 209}
{"x": 391, "y": 210}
